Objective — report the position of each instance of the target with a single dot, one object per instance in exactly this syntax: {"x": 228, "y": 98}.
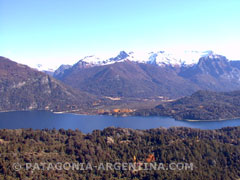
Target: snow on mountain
{"x": 61, "y": 70}
{"x": 92, "y": 60}
{"x": 41, "y": 67}
{"x": 160, "y": 58}
{"x": 180, "y": 58}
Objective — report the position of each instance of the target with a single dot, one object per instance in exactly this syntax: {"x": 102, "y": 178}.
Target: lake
{"x": 87, "y": 123}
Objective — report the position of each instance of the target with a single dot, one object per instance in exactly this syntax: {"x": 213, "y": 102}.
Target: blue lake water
{"x": 86, "y": 123}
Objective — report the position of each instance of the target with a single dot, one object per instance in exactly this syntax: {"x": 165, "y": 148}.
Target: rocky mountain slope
{"x": 214, "y": 72}
{"x": 23, "y": 88}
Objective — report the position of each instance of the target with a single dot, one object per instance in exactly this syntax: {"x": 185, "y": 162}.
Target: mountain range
{"x": 160, "y": 75}
{"x": 124, "y": 81}
{"x": 160, "y": 58}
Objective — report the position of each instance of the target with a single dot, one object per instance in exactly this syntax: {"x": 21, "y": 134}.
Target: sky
{"x": 54, "y": 32}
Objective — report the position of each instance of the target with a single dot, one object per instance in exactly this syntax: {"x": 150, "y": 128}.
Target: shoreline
{"x": 214, "y": 120}
{"x": 96, "y": 114}
{"x": 54, "y": 112}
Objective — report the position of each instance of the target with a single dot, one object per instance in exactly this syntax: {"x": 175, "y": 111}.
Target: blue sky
{"x": 53, "y": 32}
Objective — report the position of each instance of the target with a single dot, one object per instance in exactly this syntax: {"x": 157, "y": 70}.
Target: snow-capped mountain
{"x": 182, "y": 58}
{"x": 161, "y": 58}
{"x": 61, "y": 70}
{"x": 96, "y": 61}
{"x": 158, "y": 75}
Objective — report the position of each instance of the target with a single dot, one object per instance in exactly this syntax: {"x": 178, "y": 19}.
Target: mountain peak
{"x": 213, "y": 56}
{"x": 216, "y": 56}
{"x": 61, "y": 70}
{"x": 163, "y": 58}
{"x": 122, "y": 55}
{"x": 91, "y": 59}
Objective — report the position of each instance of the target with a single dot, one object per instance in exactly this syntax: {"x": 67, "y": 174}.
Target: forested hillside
{"x": 202, "y": 105}
{"x": 215, "y": 154}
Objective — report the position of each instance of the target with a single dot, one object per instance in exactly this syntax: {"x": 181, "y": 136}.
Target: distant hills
{"x": 23, "y": 88}
{"x": 123, "y": 76}
{"x": 202, "y": 105}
